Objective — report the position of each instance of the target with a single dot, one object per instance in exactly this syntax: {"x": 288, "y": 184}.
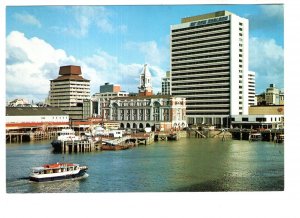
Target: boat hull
{"x": 56, "y": 144}
{"x": 81, "y": 174}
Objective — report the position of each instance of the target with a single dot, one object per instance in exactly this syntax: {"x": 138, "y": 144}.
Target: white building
{"x": 251, "y": 88}
{"x": 258, "y": 121}
{"x": 209, "y": 66}
{"x": 138, "y": 112}
{"x": 35, "y": 115}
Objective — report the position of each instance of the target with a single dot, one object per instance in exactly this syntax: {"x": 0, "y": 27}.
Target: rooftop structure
{"x": 110, "y": 88}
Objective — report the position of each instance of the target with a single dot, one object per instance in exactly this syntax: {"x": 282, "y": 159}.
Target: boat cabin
{"x": 55, "y": 168}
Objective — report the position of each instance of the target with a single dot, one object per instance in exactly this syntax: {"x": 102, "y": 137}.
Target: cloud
{"x": 271, "y": 18}
{"x": 27, "y": 19}
{"x": 32, "y": 62}
{"x": 266, "y": 58}
{"x": 150, "y": 50}
{"x": 87, "y": 16}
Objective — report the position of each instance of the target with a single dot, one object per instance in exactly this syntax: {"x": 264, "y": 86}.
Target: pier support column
{"x": 66, "y": 147}
{"x": 270, "y": 136}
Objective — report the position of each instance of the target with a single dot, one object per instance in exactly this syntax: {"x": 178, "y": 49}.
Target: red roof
{"x": 57, "y": 165}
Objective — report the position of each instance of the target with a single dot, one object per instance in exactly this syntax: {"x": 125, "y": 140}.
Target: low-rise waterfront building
{"x": 35, "y": 115}
{"x": 257, "y": 121}
{"x": 156, "y": 111}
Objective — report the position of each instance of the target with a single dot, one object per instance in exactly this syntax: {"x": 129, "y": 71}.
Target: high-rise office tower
{"x": 209, "y": 66}
{"x": 69, "y": 89}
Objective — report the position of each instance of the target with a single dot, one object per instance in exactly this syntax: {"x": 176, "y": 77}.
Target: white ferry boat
{"x": 58, "y": 171}
{"x": 64, "y": 135}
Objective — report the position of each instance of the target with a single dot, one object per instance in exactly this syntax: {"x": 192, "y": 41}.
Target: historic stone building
{"x": 160, "y": 112}
{"x": 156, "y": 111}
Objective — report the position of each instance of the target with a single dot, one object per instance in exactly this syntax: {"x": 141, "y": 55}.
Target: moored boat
{"x": 64, "y": 135}
{"x": 58, "y": 171}
{"x": 255, "y": 137}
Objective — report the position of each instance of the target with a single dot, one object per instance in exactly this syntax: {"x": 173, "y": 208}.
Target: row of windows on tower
{"x": 192, "y": 92}
{"x": 202, "y": 42}
{"x": 201, "y": 36}
{"x": 202, "y": 67}
{"x": 203, "y": 62}
{"x": 205, "y": 82}
{"x": 216, "y": 44}
{"x": 201, "y": 57}
{"x": 199, "y": 53}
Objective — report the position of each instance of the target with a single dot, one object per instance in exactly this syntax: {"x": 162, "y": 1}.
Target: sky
{"x": 112, "y": 43}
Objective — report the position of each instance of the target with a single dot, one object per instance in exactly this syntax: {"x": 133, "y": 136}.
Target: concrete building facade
{"x": 209, "y": 66}
{"x": 107, "y": 93}
{"x": 156, "y": 111}
{"x": 69, "y": 89}
{"x": 165, "y": 84}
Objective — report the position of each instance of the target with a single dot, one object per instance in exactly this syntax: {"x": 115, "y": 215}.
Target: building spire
{"x": 145, "y": 88}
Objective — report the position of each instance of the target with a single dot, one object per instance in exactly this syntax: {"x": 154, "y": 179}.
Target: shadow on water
{"x": 237, "y": 184}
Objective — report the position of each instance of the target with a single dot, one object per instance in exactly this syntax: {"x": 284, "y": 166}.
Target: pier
{"x": 19, "y": 137}
{"x": 77, "y": 146}
{"x": 266, "y": 134}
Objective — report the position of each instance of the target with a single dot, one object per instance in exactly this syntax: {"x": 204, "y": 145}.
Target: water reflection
{"x": 184, "y": 165}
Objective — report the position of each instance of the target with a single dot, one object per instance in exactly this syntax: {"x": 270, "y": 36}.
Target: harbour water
{"x": 187, "y": 165}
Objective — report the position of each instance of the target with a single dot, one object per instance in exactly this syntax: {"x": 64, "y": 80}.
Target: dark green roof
{"x": 34, "y": 111}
